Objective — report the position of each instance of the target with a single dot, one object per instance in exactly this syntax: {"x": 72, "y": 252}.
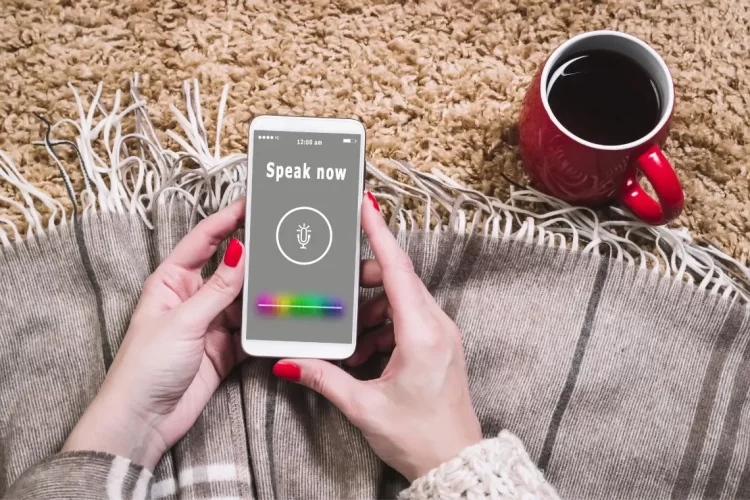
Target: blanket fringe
{"x": 131, "y": 172}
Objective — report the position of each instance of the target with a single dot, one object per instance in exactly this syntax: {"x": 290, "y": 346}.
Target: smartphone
{"x": 302, "y": 237}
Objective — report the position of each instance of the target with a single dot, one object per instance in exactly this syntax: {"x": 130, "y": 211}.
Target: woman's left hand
{"x": 178, "y": 348}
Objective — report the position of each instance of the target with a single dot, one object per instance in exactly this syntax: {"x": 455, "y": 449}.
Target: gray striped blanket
{"x": 622, "y": 383}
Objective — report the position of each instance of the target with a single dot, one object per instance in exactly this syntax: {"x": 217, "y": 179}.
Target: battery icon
{"x": 348, "y": 140}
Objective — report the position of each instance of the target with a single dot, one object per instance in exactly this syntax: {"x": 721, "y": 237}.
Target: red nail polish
{"x": 374, "y": 201}
{"x": 287, "y": 371}
{"x": 233, "y": 253}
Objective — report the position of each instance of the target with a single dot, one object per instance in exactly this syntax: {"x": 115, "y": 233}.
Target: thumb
{"x": 219, "y": 291}
{"x": 326, "y": 379}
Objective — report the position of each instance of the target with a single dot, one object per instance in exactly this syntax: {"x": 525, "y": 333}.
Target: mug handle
{"x": 663, "y": 178}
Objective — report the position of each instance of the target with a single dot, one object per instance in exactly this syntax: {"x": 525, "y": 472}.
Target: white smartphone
{"x": 302, "y": 237}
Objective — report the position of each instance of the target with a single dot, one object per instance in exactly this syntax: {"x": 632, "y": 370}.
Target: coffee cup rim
{"x": 666, "y": 112}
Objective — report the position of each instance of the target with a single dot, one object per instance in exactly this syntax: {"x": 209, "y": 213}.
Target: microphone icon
{"x": 303, "y": 236}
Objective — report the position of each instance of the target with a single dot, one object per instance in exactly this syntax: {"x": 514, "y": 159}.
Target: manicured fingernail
{"x": 287, "y": 371}
{"x": 233, "y": 253}
{"x": 373, "y": 201}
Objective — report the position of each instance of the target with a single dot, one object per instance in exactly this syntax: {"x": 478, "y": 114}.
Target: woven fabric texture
{"x": 620, "y": 382}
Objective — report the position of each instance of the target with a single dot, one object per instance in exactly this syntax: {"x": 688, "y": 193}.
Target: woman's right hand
{"x": 418, "y": 414}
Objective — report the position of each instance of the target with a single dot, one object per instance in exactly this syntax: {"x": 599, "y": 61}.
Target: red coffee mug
{"x": 581, "y": 172}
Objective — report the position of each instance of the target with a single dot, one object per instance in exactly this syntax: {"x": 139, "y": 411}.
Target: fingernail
{"x": 287, "y": 371}
{"x": 233, "y": 253}
{"x": 373, "y": 201}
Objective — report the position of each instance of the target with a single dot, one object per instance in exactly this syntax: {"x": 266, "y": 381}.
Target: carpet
{"x": 438, "y": 84}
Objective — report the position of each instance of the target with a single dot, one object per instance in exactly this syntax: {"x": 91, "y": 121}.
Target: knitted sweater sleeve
{"x": 82, "y": 475}
{"x": 494, "y": 468}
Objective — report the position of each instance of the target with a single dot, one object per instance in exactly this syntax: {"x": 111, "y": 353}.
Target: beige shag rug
{"x": 437, "y": 83}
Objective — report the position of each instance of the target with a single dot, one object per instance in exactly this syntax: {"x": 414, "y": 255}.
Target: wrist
{"x": 445, "y": 451}
{"x": 110, "y": 425}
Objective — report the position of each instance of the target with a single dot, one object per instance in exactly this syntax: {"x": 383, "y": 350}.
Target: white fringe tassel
{"x": 137, "y": 171}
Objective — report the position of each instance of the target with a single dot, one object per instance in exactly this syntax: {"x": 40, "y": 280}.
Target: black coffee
{"x": 604, "y": 97}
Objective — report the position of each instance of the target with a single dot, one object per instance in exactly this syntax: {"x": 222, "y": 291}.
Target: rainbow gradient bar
{"x": 298, "y": 305}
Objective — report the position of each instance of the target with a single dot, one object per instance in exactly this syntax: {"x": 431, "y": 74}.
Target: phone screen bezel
{"x": 288, "y": 349}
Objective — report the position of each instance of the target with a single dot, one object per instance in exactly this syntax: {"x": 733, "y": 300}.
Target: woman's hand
{"x": 178, "y": 348}
{"x": 418, "y": 414}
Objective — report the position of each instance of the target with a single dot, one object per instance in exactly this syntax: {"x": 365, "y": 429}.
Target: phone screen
{"x": 304, "y": 236}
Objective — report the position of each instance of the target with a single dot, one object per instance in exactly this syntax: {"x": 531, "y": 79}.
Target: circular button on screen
{"x": 304, "y": 236}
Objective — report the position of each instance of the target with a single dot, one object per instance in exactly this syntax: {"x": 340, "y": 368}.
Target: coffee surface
{"x": 604, "y": 97}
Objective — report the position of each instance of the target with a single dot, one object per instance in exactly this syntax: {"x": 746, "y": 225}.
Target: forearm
{"x": 495, "y": 468}
{"x": 111, "y": 426}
